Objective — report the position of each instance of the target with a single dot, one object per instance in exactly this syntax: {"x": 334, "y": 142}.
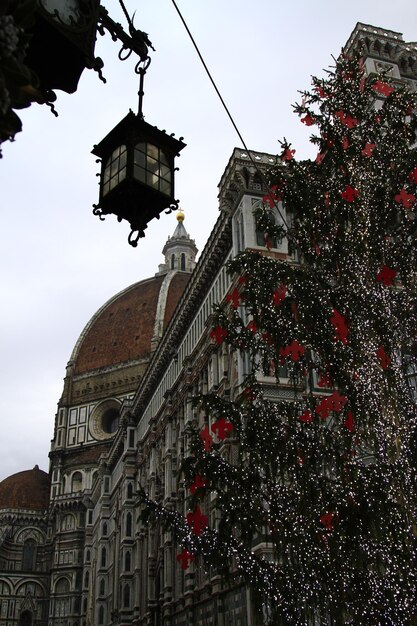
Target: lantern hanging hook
{"x": 140, "y": 42}
{"x": 141, "y": 70}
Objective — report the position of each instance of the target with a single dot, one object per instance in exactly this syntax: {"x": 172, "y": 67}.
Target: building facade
{"x": 73, "y": 551}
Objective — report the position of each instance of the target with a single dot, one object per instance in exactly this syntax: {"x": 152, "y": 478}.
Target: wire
{"x": 261, "y": 174}
{"x": 209, "y": 75}
{"x": 129, "y": 21}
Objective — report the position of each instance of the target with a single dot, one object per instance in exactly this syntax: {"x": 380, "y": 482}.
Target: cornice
{"x": 117, "y": 446}
{"x": 212, "y": 258}
{"x": 109, "y": 369}
{"x": 244, "y": 174}
{"x": 384, "y": 45}
{"x": 16, "y": 516}
{"x": 240, "y": 176}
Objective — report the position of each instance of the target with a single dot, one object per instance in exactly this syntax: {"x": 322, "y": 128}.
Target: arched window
{"x": 257, "y": 182}
{"x": 127, "y": 561}
{"x": 33, "y": 589}
{"x": 183, "y": 261}
{"x": 103, "y": 557}
{"x": 4, "y": 588}
{"x": 67, "y": 522}
{"x": 86, "y": 579}
{"x": 261, "y": 235}
{"x": 29, "y": 555}
{"x": 126, "y": 596}
{"x": 88, "y": 556}
{"x": 76, "y": 482}
{"x": 173, "y": 261}
{"x": 130, "y": 491}
{"x": 102, "y": 589}
{"x": 62, "y": 586}
{"x": 85, "y": 605}
{"x": 239, "y": 234}
{"x": 104, "y": 532}
{"x": 129, "y": 524}
{"x": 25, "y": 619}
{"x": 62, "y": 602}
{"x": 101, "y": 615}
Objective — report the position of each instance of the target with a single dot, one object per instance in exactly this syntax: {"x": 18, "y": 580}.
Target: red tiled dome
{"x": 123, "y": 328}
{"x": 25, "y": 490}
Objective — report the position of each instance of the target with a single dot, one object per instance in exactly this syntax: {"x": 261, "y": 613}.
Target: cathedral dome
{"x": 122, "y": 330}
{"x": 128, "y": 327}
{"x": 25, "y": 490}
{"x": 112, "y": 354}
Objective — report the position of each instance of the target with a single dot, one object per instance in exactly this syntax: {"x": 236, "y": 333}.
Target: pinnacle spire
{"x": 179, "y": 250}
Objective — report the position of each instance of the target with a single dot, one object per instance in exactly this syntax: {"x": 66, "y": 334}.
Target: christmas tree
{"x": 325, "y": 480}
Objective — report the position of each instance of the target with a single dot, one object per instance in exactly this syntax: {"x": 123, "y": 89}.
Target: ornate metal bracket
{"x": 138, "y": 233}
{"x": 136, "y": 41}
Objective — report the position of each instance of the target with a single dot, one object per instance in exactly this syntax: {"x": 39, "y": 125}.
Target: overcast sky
{"x": 59, "y": 263}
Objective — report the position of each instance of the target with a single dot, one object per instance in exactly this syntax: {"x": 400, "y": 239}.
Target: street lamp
{"x": 137, "y": 159}
{"x": 137, "y": 173}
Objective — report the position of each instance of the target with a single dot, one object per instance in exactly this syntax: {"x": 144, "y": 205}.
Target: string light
{"x": 324, "y": 478}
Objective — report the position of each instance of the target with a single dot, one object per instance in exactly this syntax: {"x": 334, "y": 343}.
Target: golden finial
{"x": 180, "y": 215}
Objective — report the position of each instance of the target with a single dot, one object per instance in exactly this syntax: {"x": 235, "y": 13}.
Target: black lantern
{"x": 137, "y": 173}
{"x": 62, "y": 41}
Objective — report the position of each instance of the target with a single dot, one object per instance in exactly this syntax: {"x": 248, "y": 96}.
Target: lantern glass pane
{"x": 152, "y": 180}
{"x": 114, "y": 167}
{"x": 139, "y": 173}
{"x": 165, "y": 186}
{"x": 151, "y": 167}
{"x": 115, "y": 170}
{"x": 122, "y": 160}
{"x": 163, "y": 158}
{"x": 140, "y": 158}
{"x": 165, "y": 172}
{"x": 153, "y": 151}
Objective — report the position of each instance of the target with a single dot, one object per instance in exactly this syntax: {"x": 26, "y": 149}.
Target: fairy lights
{"x": 326, "y": 480}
